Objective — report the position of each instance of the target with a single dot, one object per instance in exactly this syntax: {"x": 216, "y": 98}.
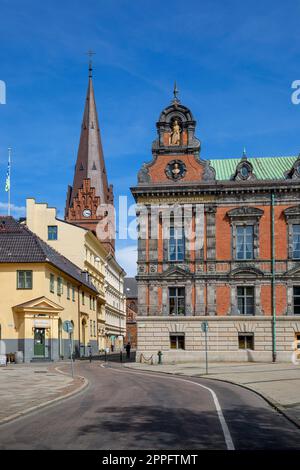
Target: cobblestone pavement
{"x": 279, "y": 382}
{"x": 23, "y": 387}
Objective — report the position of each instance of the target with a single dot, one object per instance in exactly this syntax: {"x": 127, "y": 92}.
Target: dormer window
{"x": 244, "y": 171}
{"x": 294, "y": 172}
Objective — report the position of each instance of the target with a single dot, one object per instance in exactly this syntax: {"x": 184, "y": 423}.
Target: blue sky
{"x": 234, "y": 63}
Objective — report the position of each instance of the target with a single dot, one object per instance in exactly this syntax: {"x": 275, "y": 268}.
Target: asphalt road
{"x": 124, "y": 409}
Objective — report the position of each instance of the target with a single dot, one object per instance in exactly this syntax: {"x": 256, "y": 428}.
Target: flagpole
{"x": 9, "y": 163}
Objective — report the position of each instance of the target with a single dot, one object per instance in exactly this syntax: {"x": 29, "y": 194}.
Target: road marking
{"x": 225, "y": 429}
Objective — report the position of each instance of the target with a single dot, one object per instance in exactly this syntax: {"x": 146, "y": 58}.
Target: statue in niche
{"x": 175, "y": 134}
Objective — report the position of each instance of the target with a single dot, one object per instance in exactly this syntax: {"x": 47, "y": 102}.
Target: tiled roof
{"x": 263, "y": 167}
{"x": 19, "y": 245}
{"x": 130, "y": 287}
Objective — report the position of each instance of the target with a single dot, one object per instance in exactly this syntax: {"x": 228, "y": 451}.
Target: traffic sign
{"x": 68, "y": 326}
{"x": 204, "y": 326}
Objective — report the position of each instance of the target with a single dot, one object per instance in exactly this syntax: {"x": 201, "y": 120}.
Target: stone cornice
{"x": 217, "y": 318}
{"x": 217, "y": 188}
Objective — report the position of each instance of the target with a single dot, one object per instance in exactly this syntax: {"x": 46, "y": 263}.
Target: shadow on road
{"x": 173, "y": 428}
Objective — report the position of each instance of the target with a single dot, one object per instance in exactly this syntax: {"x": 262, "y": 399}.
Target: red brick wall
{"x": 223, "y": 300}
{"x": 157, "y": 170}
{"x": 281, "y": 300}
{"x": 223, "y": 234}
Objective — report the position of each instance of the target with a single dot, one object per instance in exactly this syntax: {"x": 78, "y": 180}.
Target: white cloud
{"x": 127, "y": 258}
{"x": 17, "y": 211}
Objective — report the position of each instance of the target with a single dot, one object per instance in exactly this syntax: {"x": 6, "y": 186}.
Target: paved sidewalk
{"x": 279, "y": 383}
{"x": 25, "y": 387}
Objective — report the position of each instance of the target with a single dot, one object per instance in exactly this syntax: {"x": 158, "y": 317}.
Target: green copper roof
{"x": 264, "y": 168}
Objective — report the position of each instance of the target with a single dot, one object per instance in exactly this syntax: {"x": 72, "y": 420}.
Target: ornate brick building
{"x": 219, "y": 241}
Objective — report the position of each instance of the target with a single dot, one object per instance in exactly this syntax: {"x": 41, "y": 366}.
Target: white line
{"x": 225, "y": 429}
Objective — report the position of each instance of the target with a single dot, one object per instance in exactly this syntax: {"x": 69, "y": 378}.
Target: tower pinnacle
{"x": 175, "y": 93}
{"x": 90, "y": 187}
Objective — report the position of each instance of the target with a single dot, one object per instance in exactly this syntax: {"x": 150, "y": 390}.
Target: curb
{"x": 271, "y": 402}
{"x": 75, "y": 392}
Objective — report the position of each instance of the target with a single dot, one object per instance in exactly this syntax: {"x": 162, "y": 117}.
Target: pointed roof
{"x": 90, "y": 160}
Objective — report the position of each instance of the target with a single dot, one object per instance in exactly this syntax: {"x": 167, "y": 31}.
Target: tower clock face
{"x": 86, "y": 213}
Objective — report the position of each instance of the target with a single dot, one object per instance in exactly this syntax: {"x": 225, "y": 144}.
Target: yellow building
{"x": 40, "y": 289}
{"x": 83, "y": 248}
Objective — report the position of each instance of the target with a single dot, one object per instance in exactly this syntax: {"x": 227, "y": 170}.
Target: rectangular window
{"x": 244, "y": 241}
{"x": 296, "y": 299}
{"x": 94, "y": 328}
{"x": 24, "y": 279}
{"x": 176, "y": 300}
{"x": 177, "y": 342}
{"x": 52, "y": 281}
{"x": 59, "y": 286}
{"x": 245, "y": 297}
{"x": 296, "y": 241}
{"x": 52, "y": 232}
{"x": 82, "y": 298}
{"x": 68, "y": 291}
{"x": 246, "y": 341}
{"x": 90, "y": 302}
{"x": 176, "y": 242}
{"x": 73, "y": 293}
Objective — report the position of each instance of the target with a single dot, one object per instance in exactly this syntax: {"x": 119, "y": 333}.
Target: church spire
{"x": 90, "y": 159}
{"x": 90, "y": 183}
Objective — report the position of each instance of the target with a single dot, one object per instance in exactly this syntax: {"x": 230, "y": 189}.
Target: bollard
{"x": 121, "y": 356}
{"x": 159, "y": 354}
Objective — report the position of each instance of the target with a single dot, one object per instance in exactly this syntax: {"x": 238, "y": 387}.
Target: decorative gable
{"x": 176, "y": 151}
{"x": 39, "y": 305}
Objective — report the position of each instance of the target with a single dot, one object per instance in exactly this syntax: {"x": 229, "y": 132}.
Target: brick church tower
{"x": 90, "y": 200}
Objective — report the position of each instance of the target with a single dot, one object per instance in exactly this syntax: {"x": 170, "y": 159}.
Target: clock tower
{"x": 90, "y": 199}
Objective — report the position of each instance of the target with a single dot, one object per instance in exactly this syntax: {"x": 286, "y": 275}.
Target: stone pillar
{"x": 188, "y": 230}
{"x": 211, "y": 299}
{"x": 188, "y": 299}
{"x": 153, "y": 223}
{"x": 199, "y": 228}
{"x": 165, "y": 300}
{"x": 142, "y": 298}
{"x": 200, "y": 304}
{"x": 290, "y": 310}
{"x": 142, "y": 235}
{"x": 210, "y": 211}
{"x": 233, "y": 301}
{"x": 165, "y": 218}
{"x": 257, "y": 299}
{"x": 153, "y": 300}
